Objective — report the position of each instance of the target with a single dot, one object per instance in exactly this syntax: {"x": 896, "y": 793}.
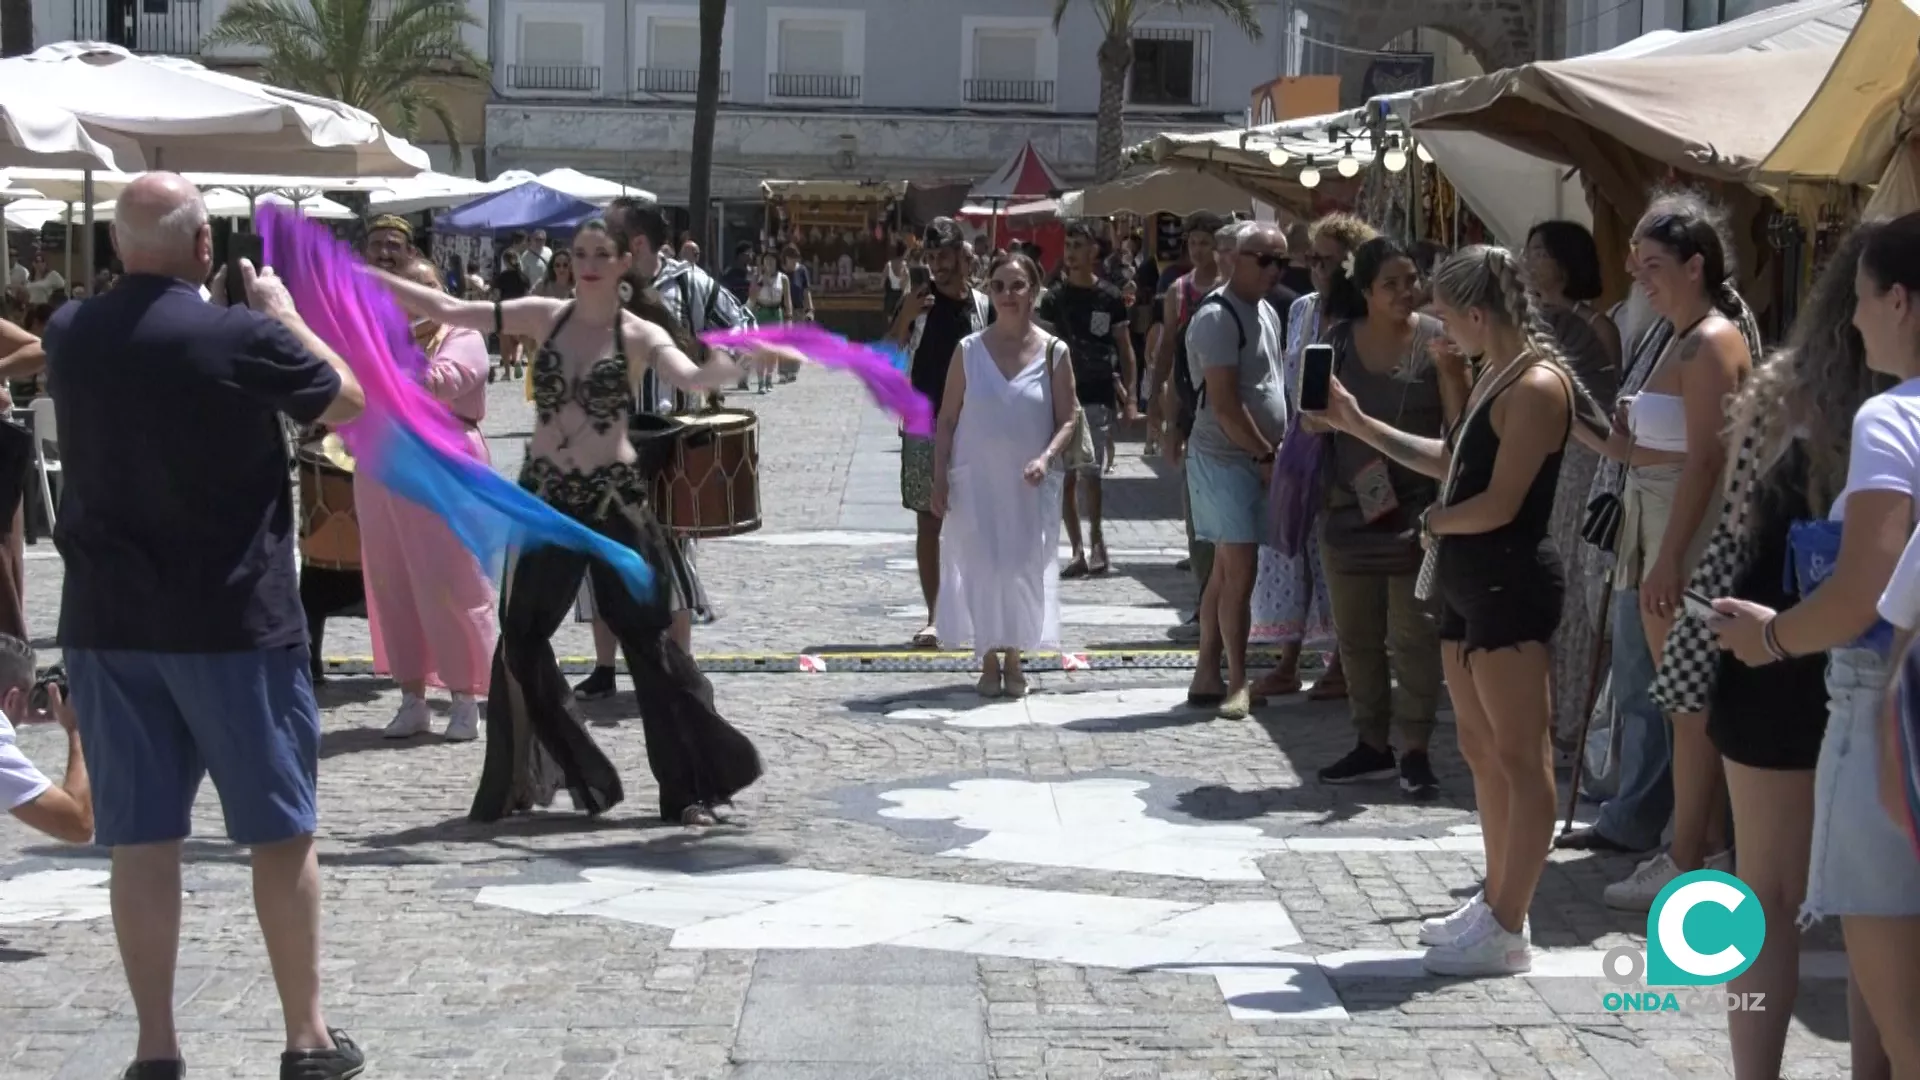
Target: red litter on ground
{"x": 812, "y": 665}
{"x": 1076, "y": 661}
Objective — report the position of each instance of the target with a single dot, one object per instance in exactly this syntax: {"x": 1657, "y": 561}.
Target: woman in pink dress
{"x": 429, "y": 602}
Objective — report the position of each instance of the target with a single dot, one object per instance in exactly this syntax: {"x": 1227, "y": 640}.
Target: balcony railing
{"x": 676, "y": 81}
{"x": 1171, "y": 68}
{"x": 1009, "y": 91}
{"x": 814, "y": 87}
{"x": 170, "y": 27}
{"x": 553, "y": 77}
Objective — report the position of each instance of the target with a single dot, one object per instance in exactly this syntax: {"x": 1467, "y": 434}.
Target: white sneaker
{"x": 1722, "y": 862}
{"x": 464, "y": 723}
{"x": 1638, "y": 890}
{"x": 412, "y": 719}
{"x": 1482, "y": 949}
{"x": 1446, "y": 928}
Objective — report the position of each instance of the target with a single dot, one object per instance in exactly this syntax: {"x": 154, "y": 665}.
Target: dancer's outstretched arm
{"x": 528, "y": 317}
{"x": 652, "y": 341}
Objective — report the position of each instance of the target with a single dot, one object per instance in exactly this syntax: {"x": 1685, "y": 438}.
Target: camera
{"x": 53, "y": 676}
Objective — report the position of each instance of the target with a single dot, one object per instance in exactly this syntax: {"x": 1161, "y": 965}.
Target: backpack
{"x": 1192, "y": 395}
{"x": 982, "y": 312}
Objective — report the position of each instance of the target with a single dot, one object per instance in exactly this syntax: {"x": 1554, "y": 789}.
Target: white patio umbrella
{"x": 36, "y": 132}
{"x": 428, "y": 191}
{"x": 167, "y": 113}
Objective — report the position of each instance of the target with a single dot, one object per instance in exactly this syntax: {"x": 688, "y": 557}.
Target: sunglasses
{"x": 1017, "y": 288}
{"x": 1267, "y": 259}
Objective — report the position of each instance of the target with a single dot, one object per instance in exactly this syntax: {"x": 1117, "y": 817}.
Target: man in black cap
{"x": 930, "y": 323}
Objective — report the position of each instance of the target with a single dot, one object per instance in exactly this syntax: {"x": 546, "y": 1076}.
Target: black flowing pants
{"x": 534, "y": 727}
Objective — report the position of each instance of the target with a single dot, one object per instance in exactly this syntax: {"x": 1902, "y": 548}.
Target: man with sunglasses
{"x": 1234, "y": 343}
{"x": 931, "y": 321}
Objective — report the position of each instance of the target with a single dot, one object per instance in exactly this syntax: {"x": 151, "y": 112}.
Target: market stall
{"x": 844, "y": 231}
{"x": 1857, "y": 130}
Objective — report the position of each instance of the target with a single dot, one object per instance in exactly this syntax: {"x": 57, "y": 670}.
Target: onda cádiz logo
{"x": 1704, "y": 929}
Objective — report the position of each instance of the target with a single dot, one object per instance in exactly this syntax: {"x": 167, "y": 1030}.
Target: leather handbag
{"x": 1601, "y": 527}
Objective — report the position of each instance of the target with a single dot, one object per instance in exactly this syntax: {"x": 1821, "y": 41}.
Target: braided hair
{"x": 1687, "y": 223}
{"x": 1489, "y": 278}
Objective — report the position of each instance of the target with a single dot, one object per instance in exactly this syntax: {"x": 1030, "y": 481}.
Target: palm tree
{"x": 706, "y": 112}
{"x": 383, "y": 56}
{"x": 1117, "y": 18}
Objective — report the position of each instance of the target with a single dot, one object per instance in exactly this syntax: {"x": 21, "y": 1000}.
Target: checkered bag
{"x": 1692, "y": 657}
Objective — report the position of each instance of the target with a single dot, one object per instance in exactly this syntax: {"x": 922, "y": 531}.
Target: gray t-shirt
{"x": 1214, "y": 342}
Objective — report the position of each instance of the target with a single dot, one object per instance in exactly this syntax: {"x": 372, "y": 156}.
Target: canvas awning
{"x": 1024, "y": 177}
{"x": 1863, "y": 112}
{"x": 1156, "y": 191}
{"x": 869, "y": 191}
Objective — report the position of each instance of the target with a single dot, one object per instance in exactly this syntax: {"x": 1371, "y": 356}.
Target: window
{"x": 1008, "y": 61}
{"x": 810, "y": 48}
{"x": 1169, "y": 68}
{"x": 673, "y": 45}
{"x": 815, "y": 55}
{"x": 1700, "y": 14}
{"x": 555, "y": 47}
{"x": 668, "y": 46}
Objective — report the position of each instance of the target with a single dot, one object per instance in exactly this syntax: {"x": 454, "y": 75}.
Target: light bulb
{"x": 1394, "y": 159}
{"x": 1347, "y": 166}
{"x": 1279, "y": 157}
{"x": 1421, "y": 153}
{"x": 1309, "y": 177}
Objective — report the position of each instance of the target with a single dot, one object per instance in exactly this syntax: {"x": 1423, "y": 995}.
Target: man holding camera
{"x": 938, "y": 311}
{"x": 64, "y": 812}
{"x": 180, "y": 617}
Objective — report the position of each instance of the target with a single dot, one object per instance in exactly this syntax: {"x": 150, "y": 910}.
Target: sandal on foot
{"x": 1075, "y": 569}
{"x": 698, "y": 817}
{"x": 1100, "y": 563}
{"x": 1205, "y": 699}
{"x": 1276, "y": 685}
{"x": 926, "y": 639}
{"x": 1016, "y": 685}
{"x": 989, "y": 685}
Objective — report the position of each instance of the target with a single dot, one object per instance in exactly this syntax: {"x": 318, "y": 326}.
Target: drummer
{"x": 700, "y": 304}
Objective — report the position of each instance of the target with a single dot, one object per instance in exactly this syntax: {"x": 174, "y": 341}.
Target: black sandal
{"x": 1592, "y": 840}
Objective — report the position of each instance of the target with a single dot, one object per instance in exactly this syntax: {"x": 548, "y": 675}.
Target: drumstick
{"x": 883, "y": 370}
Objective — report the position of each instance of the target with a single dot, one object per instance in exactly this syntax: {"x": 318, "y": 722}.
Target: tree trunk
{"x": 706, "y": 110}
{"x": 1115, "y": 58}
{"x": 16, "y": 27}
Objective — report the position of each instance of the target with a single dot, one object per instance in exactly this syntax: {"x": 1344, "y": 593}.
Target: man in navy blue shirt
{"x": 180, "y": 617}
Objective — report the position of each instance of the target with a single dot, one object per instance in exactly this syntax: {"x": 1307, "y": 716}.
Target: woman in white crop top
{"x": 1669, "y": 436}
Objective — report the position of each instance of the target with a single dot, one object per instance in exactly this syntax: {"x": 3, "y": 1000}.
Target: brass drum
{"x": 329, "y": 527}
{"x": 710, "y": 485}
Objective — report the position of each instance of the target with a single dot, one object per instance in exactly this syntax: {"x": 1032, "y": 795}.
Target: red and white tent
{"x": 1025, "y": 176}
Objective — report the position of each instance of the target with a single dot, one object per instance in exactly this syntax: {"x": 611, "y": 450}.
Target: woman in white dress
{"x": 1005, "y": 421}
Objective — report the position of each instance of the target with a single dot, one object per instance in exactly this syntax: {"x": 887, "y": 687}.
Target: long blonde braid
{"x": 1489, "y": 278}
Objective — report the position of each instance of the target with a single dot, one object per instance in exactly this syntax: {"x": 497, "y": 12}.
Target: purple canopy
{"x": 532, "y": 205}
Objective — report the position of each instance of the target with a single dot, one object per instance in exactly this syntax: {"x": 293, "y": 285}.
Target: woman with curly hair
{"x": 1290, "y": 603}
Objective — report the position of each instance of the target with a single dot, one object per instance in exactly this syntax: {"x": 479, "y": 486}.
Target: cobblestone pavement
{"x": 556, "y": 947}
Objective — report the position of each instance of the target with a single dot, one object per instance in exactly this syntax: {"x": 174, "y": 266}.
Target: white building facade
{"x": 845, "y": 89}
{"x": 1597, "y": 25}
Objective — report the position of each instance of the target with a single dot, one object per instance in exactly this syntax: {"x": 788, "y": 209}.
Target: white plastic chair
{"x": 45, "y": 433}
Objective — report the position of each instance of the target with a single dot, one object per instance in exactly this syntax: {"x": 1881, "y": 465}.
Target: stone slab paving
{"x": 889, "y": 785}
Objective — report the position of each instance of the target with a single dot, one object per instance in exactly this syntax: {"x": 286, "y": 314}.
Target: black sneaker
{"x": 1416, "y": 776}
{"x": 343, "y": 1062}
{"x": 598, "y": 686}
{"x": 1363, "y": 764}
{"x": 155, "y": 1070}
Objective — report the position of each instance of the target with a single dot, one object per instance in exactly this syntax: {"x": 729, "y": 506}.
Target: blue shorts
{"x": 1229, "y": 499}
{"x": 152, "y": 724}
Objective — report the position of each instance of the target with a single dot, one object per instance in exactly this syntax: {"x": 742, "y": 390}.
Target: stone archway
{"x": 1497, "y": 33}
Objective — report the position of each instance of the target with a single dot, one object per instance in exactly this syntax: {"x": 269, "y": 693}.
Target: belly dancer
{"x": 585, "y": 379}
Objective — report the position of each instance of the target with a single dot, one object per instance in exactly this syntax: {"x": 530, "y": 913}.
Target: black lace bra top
{"x": 604, "y": 393}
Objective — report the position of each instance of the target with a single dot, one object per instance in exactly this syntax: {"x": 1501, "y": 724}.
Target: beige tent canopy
{"x": 1862, "y": 114}
{"x": 834, "y": 190}
{"x": 1156, "y": 191}
{"x": 1244, "y": 159}
{"x": 1628, "y": 124}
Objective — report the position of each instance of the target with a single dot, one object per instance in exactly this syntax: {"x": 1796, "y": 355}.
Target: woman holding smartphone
{"x": 1500, "y": 583}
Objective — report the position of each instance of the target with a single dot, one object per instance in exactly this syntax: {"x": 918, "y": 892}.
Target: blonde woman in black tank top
{"x": 1499, "y": 581}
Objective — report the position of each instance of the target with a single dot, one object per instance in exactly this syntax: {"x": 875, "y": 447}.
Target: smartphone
{"x": 1316, "y": 378}
{"x": 1698, "y": 605}
{"x": 918, "y": 278}
{"x": 250, "y": 247}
